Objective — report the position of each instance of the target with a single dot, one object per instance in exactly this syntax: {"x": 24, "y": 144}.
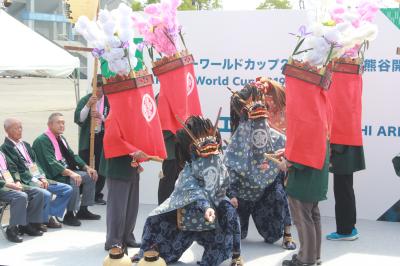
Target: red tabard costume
{"x": 345, "y": 95}
{"x": 178, "y": 97}
{"x": 133, "y": 124}
{"x": 308, "y": 118}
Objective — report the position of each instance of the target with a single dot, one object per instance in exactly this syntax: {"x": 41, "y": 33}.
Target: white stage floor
{"x": 379, "y": 244}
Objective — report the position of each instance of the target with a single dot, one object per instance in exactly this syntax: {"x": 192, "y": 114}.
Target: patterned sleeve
{"x": 233, "y": 188}
{"x": 189, "y": 188}
{"x": 202, "y": 204}
{"x": 278, "y": 139}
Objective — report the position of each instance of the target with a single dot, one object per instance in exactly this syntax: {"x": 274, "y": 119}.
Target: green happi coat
{"x": 13, "y": 171}
{"x": 10, "y": 150}
{"x": 346, "y": 159}
{"x": 46, "y": 157}
{"x": 84, "y": 133}
{"x": 117, "y": 168}
{"x": 170, "y": 142}
{"x": 308, "y": 184}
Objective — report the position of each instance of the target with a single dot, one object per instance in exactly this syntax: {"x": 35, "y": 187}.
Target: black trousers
{"x": 166, "y": 185}
{"x": 98, "y": 149}
{"x": 345, "y": 203}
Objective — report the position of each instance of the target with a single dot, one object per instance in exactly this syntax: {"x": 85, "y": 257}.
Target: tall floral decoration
{"x": 173, "y": 66}
{"x": 160, "y": 28}
{"x": 356, "y": 20}
{"x": 111, "y": 37}
{"x": 344, "y": 31}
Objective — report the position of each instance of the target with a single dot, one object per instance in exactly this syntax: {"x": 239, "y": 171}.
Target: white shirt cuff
{"x": 84, "y": 113}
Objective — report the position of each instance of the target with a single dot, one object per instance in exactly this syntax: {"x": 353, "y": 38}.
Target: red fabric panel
{"x": 133, "y": 124}
{"x": 345, "y": 95}
{"x": 178, "y": 96}
{"x": 308, "y": 118}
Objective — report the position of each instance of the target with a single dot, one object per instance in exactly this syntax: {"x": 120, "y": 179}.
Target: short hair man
{"x": 26, "y": 205}
{"x": 59, "y": 163}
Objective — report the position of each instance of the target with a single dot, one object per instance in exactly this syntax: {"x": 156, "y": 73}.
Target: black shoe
{"x": 133, "y": 244}
{"x": 40, "y": 227}
{"x": 85, "y": 214}
{"x": 71, "y": 220}
{"x": 125, "y": 249}
{"x": 100, "y": 201}
{"x": 53, "y": 223}
{"x": 30, "y": 230}
{"x": 295, "y": 262}
{"x": 12, "y": 234}
{"x": 318, "y": 262}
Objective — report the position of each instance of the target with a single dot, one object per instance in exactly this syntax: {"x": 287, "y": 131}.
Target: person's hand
{"x": 282, "y": 165}
{"x": 95, "y": 114}
{"x": 139, "y": 156}
{"x": 19, "y": 185}
{"x": 264, "y": 166}
{"x": 92, "y": 173}
{"x": 14, "y": 186}
{"x": 92, "y": 100}
{"x": 235, "y": 202}
{"x": 139, "y": 169}
{"x": 137, "y": 165}
{"x": 134, "y": 164}
{"x": 45, "y": 183}
{"x": 209, "y": 215}
{"x": 280, "y": 153}
{"x": 39, "y": 183}
{"x": 77, "y": 178}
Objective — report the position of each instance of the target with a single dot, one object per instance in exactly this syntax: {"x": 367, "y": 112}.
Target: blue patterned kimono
{"x": 260, "y": 193}
{"x": 201, "y": 184}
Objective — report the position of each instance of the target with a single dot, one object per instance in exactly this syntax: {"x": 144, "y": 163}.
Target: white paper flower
{"x": 82, "y": 24}
{"x": 113, "y": 33}
{"x": 104, "y": 16}
{"x": 109, "y": 28}
{"x": 124, "y": 10}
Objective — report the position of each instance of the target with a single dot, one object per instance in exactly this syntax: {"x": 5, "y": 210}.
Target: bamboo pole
{"x": 93, "y": 121}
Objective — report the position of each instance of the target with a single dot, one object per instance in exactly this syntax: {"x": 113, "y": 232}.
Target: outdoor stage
{"x": 84, "y": 246}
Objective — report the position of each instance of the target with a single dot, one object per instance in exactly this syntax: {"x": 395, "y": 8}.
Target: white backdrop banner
{"x": 233, "y": 48}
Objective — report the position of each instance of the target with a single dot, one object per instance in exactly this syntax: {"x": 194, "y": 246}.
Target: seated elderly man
{"x": 22, "y": 155}
{"x": 26, "y": 205}
{"x": 59, "y": 163}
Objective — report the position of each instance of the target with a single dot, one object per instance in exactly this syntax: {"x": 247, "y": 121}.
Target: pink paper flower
{"x": 153, "y": 9}
{"x": 161, "y": 28}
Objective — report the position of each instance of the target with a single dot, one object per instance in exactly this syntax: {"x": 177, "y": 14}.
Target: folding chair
{"x": 3, "y": 227}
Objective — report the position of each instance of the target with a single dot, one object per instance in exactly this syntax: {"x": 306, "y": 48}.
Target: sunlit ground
{"x": 378, "y": 245}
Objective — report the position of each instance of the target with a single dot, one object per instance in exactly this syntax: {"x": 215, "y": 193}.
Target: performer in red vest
{"x": 347, "y": 153}
{"x": 132, "y": 135}
{"x": 308, "y": 118}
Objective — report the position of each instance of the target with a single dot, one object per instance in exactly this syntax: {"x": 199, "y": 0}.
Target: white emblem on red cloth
{"x": 149, "y": 108}
{"x": 189, "y": 83}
